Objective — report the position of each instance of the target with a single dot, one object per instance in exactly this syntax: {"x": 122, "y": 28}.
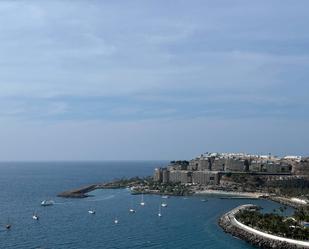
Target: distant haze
{"x": 126, "y": 80}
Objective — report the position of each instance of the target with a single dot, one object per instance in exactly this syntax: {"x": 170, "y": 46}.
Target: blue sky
{"x": 102, "y": 80}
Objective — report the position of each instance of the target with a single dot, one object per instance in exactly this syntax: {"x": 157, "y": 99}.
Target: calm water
{"x": 186, "y": 222}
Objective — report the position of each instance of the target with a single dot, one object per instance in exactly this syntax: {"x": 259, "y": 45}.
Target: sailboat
{"x": 142, "y": 201}
{"x": 116, "y": 221}
{"x": 159, "y": 213}
{"x": 35, "y": 216}
{"x": 131, "y": 210}
{"x": 8, "y": 225}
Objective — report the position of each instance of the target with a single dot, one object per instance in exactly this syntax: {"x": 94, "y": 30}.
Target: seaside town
{"x": 284, "y": 180}
{"x": 241, "y": 173}
{"x": 209, "y": 168}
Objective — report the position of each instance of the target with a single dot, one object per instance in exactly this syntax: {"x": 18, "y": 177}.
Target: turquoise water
{"x": 185, "y": 223}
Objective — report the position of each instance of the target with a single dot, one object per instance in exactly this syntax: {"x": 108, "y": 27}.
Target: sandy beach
{"x": 230, "y": 193}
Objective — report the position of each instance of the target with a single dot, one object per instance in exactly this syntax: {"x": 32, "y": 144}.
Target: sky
{"x": 152, "y": 80}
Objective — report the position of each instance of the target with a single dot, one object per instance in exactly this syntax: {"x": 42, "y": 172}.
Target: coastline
{"x": 82, "y": 192}
{"x": 254, "y": 195}
{"x": 255, "y": 237}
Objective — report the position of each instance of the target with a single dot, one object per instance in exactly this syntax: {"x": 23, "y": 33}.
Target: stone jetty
{"x": 255, "y": 237}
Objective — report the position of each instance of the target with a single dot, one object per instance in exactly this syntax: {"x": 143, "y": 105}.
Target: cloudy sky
{"x": 117, "y": 80}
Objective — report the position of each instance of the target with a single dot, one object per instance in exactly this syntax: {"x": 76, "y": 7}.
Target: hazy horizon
{"x": 155, "y": 80}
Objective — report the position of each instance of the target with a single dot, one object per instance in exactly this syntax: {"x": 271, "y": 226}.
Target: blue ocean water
{"x": 185, "y": 223}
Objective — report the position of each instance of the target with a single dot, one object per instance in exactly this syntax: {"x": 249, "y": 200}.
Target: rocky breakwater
{"x": 255, "y": 237}
{"x": 115, "y": 184}
{"x": 79, "y": 192}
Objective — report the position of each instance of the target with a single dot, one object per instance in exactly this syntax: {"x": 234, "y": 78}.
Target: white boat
{"x": 35, "y": 216}
{"x": 142, "y": 201}
{"x": 116, "y": 221}
{"x": 46, "y": 203}
{"x": 159, "y": 213}
{"x": 131, "y": 210}
{"x": 91, "y": 211}
{"x": 164, "y": 204}
{"x": 165, "y": 197}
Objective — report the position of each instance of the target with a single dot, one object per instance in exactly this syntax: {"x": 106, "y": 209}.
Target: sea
{"x": 187, "y": 222}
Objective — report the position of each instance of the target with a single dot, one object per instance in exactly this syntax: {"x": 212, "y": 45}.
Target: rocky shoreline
{"x": 79, "y": 192}
{"x": 137, "y": 186}
{"x": 228, "y": 225}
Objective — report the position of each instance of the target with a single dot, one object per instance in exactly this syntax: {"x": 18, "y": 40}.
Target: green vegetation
{"x": 127, "y": 182}
{"x": 302, "y": 214}
{"x": 169, "y": 188}
{"x": 274, "y": 224}
{"x": 147, "y": 185}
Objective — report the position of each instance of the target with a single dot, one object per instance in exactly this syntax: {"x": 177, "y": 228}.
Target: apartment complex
{"x": 207, "y": 168}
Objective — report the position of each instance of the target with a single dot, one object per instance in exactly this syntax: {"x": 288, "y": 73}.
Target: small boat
{"x": 165, "y": 197}
{"x": 8, "y": 225}
{"x": 163, "y": 204}
{"x": 116, "y": 221}
{"x": 204, "y": 200}
{"x": 131, "y": 209}
{"x": 159, "y": 213}
{"x": 142, "y": 201}
{"x": 91, "y": 211}
{"x": 46, "y": 203}
{"x": 35, "y": 216}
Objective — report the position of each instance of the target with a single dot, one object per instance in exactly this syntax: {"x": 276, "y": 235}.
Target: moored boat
{"x": 159, "y": 213}
{"x": 35, "y": 216}
{"x": 91, "y": 211}
{"x": 142, "y": 201}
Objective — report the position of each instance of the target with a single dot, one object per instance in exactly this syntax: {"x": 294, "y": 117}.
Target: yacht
{"x": 91, "y": 211}
{"x": 159, "y": 213}
{"x": 163, "y": 204}
{"x": 46, "y": 203}
{"x": 142, "y": 201}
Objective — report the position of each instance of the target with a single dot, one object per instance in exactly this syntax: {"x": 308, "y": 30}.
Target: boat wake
{"x": 102, "y": 199}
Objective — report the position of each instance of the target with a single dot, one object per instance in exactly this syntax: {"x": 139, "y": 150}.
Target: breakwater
{"x": 255, "y": 237}
{"x": 79, "y": 192}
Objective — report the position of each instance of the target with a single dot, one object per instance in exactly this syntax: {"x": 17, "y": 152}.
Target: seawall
{"x": 255, "y": 237}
